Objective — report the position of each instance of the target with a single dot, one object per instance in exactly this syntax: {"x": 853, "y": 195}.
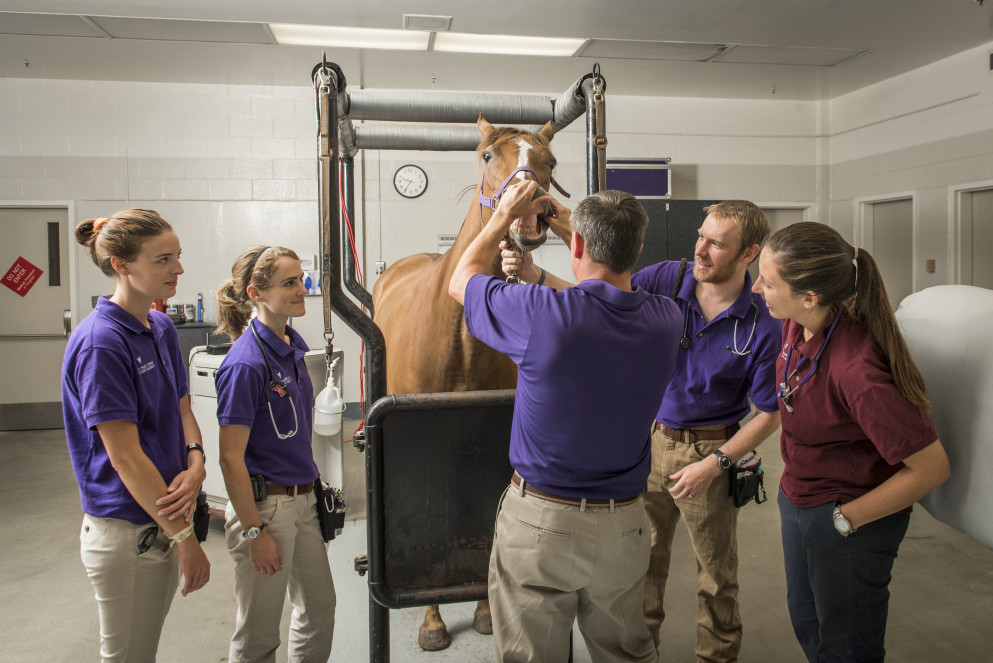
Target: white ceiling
{"x": 765, "y": 49}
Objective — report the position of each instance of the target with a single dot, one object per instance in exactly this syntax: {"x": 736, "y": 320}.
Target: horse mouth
{"x": 530, "y": 231}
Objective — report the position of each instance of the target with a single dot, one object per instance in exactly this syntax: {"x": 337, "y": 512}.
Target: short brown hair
{"x": 747, "y": 216}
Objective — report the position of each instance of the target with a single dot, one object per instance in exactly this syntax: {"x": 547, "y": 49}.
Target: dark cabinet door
{"x": 672, "y": 229}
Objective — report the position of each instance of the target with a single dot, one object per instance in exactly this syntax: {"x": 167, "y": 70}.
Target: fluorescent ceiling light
{"x": 326, "y": 35}
{"x": 457, "y": 42}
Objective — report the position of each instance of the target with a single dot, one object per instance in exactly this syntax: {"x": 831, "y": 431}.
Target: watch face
{"x": 410, "y": 181}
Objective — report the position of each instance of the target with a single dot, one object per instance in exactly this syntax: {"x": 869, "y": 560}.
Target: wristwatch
{"x": 723, "y": 460}
{"x": 199, "y": 447}
{"x": 841, "y": 523}
{"x": 252, "y": 533}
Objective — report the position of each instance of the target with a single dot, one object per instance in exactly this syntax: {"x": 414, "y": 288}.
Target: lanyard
{"x": 785, "y": 391}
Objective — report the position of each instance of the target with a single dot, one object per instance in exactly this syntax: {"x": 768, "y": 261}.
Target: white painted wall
{"x": 925, "y": 132}
{"x": 233, "y": 165}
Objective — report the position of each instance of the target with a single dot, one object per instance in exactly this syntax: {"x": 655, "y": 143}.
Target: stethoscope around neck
{"x": 277, "y": 386}
{"x": 785, "y": 392}
{"x": 685, "y": 341}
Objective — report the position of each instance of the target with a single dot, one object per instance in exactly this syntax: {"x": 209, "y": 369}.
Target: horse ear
{"x": 547, "y": 131}
{"x": 485, "y": 128}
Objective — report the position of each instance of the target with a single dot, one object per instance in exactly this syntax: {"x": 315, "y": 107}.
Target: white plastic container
{"x": 328, "y": 408}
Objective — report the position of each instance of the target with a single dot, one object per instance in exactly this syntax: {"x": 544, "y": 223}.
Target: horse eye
{"x": 551, "y": 166}
{"x": 487, "y": 156}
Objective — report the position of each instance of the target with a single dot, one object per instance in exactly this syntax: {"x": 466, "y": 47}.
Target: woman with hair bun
{"x": 133, "y": 440}
{"x": 264, "y": 408}
{"x": 858, "y": 446}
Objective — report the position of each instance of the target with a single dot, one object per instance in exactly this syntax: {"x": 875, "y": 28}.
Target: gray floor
{"x": 941, "y": 608}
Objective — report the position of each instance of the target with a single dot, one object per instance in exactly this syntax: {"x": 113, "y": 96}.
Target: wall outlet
{"x": 929, "y": 266}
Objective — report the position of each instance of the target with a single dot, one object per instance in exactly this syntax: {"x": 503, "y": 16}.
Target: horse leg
{"x": 482, "y": 619}
{"x": 433, "y": 635}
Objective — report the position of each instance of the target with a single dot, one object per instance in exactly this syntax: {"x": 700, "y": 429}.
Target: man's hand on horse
{"x": 517, "y": 201}
{"x": 520, "y": 264}
{"x": 559, "y": 221}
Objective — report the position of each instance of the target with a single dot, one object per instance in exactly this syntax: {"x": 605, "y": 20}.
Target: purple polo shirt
{"x": 593, "y": 362}
{"x": 850, "y": 429}
{"x": 241, "y": 383}
{"x": 710, "y": 384}
{"x": 115, "y": 368}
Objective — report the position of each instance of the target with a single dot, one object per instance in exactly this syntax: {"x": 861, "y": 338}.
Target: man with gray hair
{"x": 727, "y": 357}
{"x": 570, "y": 541}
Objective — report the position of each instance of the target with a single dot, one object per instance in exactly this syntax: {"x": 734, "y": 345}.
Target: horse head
{"x": 506, "y": 153}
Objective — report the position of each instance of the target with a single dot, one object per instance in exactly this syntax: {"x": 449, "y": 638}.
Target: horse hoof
{"x": 482, "y": 622}
{"x": 433, "y": 640}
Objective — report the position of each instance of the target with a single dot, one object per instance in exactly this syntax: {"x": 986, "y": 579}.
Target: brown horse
{"x": 427, "y": 346}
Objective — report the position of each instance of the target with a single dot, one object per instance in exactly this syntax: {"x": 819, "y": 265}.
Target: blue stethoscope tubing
{"x": 785, "y": 391}
{"x": 278, "y": 387}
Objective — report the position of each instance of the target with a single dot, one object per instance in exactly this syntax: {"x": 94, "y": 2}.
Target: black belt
{"x": 571, "y": 501}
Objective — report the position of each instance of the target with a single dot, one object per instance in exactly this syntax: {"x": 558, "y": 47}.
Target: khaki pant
{"x": 292, "y": 522}
{"x": 553, "y": 564}
{"x": 712, "y": 522}
{"x": 133, "y": 592}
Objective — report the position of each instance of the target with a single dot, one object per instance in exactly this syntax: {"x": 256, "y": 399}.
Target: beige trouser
{"x": 553, "y": 564}
{"x": 133, "y": 591}
{"x": 712, "y": 521}
{"x": 292, "y": 522}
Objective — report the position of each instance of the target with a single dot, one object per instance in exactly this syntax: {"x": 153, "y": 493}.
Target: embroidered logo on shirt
{"x": 144, "y": 368}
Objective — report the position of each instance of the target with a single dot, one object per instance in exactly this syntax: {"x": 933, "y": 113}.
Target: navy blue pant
{"x": 836, "y": 586}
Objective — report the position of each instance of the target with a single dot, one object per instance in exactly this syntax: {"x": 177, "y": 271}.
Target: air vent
{"x": 427, "y": 22}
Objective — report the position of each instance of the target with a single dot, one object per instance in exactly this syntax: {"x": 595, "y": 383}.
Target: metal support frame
{"x": 339, "y": 141}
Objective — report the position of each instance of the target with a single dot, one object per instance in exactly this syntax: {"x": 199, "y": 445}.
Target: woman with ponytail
{"x": 264, "y": 407}
{"x": 133, "y": 441}
{"x": 858, "y": 446}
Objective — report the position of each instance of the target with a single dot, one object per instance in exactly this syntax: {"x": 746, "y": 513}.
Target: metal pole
{"x": 330, "y": 83}
{"x": 348, "y": 224}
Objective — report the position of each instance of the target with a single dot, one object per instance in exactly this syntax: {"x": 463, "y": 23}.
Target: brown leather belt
{"x": 691, "y": 435}
{"x": 292, "y": 491}
{"x": 571, "y": 501}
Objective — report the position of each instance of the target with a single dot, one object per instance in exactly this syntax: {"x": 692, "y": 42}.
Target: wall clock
{"x": 410, "y": 181}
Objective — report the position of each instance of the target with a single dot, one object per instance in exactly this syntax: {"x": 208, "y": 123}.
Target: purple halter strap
{"x": 492, "y": 202}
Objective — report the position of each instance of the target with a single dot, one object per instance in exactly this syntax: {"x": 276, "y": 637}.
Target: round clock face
{"x": 410, "y": 181}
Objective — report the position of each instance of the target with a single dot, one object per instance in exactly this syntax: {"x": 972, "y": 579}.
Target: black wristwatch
{"x": 723, "y": 461}
{"x": 199, "y": 447}
{"x": 252, "y": 533}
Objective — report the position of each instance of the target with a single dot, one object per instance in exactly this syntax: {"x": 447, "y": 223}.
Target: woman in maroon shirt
{"x": 858, "y": 446}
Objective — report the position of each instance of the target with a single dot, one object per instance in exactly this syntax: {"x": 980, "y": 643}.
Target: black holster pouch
{"x": 330, "y": 509}
{"x": 746, "y": 480}
{"x": 201, "y": 518}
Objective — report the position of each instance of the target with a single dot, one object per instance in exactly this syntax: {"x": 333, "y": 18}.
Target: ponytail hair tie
{"x": 855, "y": 263}
{"x": 99, "y": 223}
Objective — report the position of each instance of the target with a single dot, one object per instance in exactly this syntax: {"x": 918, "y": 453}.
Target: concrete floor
{"x": 941, "y": 608}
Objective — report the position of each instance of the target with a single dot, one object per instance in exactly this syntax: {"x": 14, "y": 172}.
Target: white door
{"x": 893, "y": 246}
{"x": 982, "y": 238}
{"x": 32, "y": 328}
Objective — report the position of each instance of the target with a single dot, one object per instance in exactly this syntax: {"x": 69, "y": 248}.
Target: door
{"x": 32, "y": 328}
{"x": 893, "y": 246}
{"x": 982, "y": 238}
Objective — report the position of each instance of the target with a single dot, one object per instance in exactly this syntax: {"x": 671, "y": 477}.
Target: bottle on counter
{"x": 199, "y": 307}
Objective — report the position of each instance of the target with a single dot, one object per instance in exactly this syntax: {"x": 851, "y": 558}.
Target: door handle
{"x": 67, "y": 321}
